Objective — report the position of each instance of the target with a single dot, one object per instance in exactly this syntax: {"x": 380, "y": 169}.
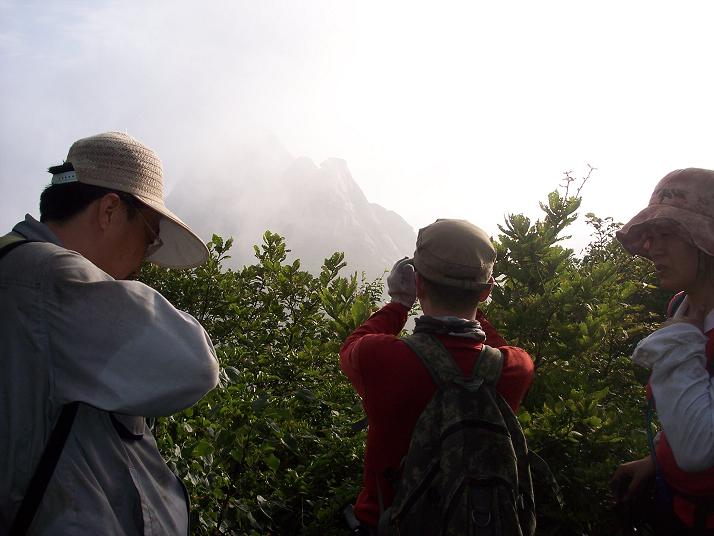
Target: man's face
{"x": 134, "y": 236}
{"x": 675, "y": 259}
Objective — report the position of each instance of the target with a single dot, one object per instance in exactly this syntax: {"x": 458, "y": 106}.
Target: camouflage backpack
{"x": 466, "y": 471}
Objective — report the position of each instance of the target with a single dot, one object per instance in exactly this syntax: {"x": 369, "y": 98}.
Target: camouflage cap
{"x": 683, "y": 199}
{"x": 455, "y": 253}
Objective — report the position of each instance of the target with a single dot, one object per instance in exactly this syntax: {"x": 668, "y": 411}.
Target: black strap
{"x": 9, "y": 242}
{"x": 45, "y": 469}
{"x": 55, "y": 445}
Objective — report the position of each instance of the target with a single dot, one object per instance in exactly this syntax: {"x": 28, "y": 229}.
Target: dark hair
{"x": 61, "y": 202}
{"x": 455, "y": 298}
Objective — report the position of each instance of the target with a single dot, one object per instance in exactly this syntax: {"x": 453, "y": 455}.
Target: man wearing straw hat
{"x": 87, "y": 353}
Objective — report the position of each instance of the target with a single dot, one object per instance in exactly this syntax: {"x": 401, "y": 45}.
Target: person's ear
{"x": 108, "y": 209}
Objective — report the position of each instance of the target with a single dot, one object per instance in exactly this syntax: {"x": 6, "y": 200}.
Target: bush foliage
{"x": 272, "y": 450}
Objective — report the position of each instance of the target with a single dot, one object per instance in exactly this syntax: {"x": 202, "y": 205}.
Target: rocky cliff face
{"x": 318, "y": 209}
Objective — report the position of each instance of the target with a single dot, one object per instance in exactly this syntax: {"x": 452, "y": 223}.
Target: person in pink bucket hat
{"x": 676, "y": 232}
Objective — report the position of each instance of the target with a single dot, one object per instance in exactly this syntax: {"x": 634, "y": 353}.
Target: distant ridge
{"x": 318, "y": 209}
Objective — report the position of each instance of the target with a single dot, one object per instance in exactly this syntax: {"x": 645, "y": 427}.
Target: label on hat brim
{"x": 62, "y": 178}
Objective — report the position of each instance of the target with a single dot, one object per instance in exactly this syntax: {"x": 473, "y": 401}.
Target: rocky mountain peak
{"x": 318, "y": 209}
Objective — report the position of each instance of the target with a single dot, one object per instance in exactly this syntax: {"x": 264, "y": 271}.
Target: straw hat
{"x": 683, "y": 199}
{"x": 455, "y": 253}
{"x": 117, "y": 161}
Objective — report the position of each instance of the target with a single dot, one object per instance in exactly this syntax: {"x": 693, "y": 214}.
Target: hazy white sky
{"x": 441, "y": 109}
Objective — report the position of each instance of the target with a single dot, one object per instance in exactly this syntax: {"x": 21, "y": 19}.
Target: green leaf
{"x": 203, "y": 448}
{"x": 272, "y": 461}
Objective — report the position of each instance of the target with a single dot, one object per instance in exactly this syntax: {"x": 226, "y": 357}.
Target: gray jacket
{"x": 70, "y": 332}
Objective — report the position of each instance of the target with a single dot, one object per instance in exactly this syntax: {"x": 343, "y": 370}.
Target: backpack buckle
{"x": 481, "y": 519}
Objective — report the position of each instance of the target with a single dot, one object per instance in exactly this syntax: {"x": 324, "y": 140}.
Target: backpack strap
{"x": 442, "y": 367}
{"x": 43, "y": 473}
{"x": 9, "y": 242}
{"x": 436, "y": 358}
{"x": 55, "y": 445}
{"x": 674, "y": 303}
{"x": 489, "y": 365}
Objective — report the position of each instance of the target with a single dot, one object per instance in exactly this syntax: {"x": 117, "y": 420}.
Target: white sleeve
{"x": 121, "y": 346}
{"x": 683, "y": 392}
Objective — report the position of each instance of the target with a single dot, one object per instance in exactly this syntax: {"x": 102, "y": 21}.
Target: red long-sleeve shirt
{"x": 395, "y": 388}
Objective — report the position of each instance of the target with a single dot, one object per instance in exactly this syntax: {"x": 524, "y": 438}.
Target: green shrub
{"x": 272, "y": 449}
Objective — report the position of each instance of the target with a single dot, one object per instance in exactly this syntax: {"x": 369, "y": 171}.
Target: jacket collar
{"x": 34, "y": 231}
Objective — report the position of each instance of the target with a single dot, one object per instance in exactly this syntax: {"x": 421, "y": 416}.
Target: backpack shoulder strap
{"x": 489, "y": 365}
{"x": 10, "y": 241}
{"x": 674, "y": 303}
{"x": 55, "y": 445}
{"x": 43, "y": 473}
{"x": 435, "y": 357}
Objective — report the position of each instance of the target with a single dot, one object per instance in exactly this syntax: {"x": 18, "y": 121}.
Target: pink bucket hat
{"x": 684, "y": 199}
{"x": 119, "y": 162}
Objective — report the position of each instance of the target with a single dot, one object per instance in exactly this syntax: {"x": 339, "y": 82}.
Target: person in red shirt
{"x": 676, "y": 232}
{"x": 449, "y": 274}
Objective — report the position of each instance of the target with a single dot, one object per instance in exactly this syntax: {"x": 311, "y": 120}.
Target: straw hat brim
{"x": 181, "y": 248}
{"x": 116, "y": 161}
{"x": 699, "y": 227}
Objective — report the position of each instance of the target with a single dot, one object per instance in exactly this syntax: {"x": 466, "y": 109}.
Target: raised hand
{"x": 401, "y": 285}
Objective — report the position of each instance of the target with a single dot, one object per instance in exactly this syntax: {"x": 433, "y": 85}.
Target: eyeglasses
{"x": 137, "y": 206}
{"x": 156, "y": 242}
